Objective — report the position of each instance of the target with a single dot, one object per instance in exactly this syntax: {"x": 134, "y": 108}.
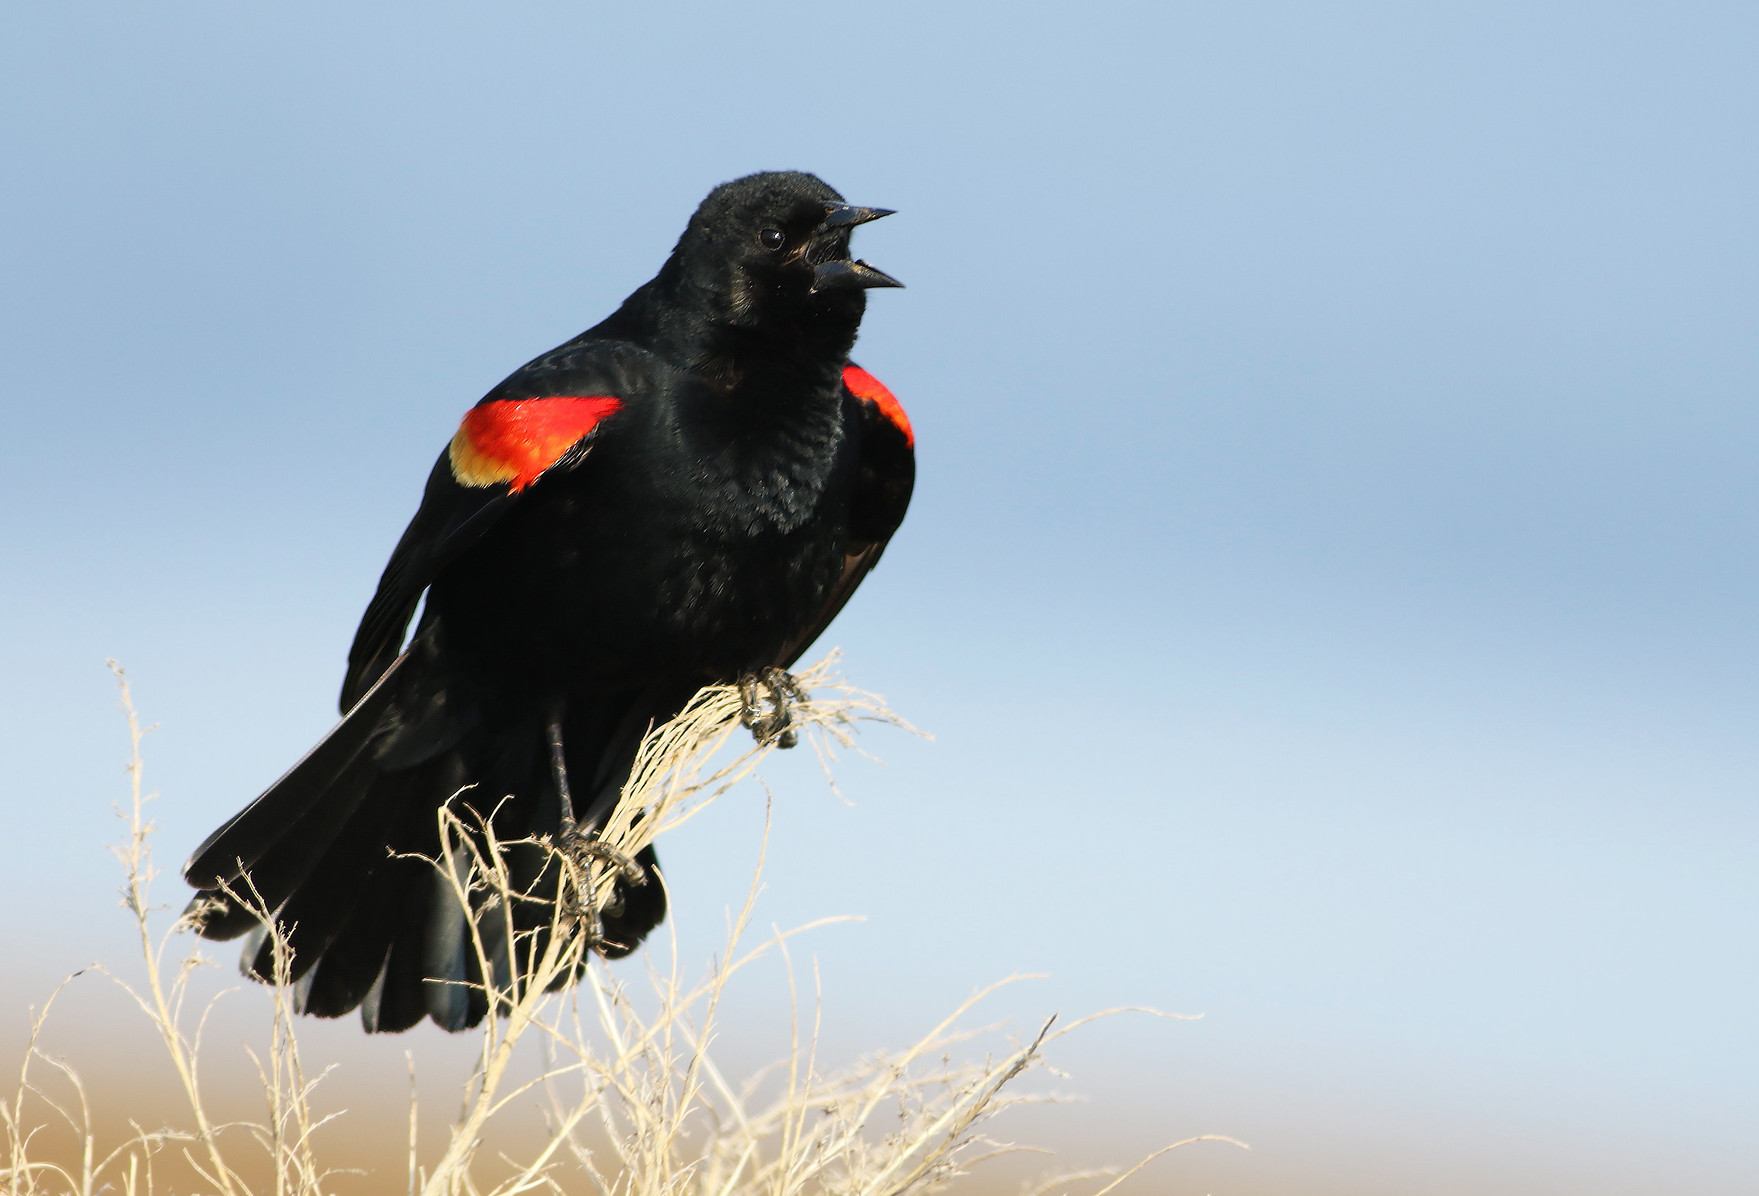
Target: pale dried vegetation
{"x": 632, "y": 1101}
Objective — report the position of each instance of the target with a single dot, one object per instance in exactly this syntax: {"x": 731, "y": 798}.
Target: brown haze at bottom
{"x": 130, "y": 1085}
{"x": 1303, "y": 1143}
{"x": 367, "y": 1146}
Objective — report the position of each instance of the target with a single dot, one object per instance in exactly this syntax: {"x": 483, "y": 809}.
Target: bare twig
{"x": 634, "y": 1101}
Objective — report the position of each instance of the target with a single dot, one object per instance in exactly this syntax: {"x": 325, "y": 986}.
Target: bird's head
{"x": 770, "y": 253}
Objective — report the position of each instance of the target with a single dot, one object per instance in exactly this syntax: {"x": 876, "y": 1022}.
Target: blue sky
{"x": 1331, "y": 578}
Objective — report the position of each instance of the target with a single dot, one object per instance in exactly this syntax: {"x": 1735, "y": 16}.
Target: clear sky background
{"x": 1331, "y": 581}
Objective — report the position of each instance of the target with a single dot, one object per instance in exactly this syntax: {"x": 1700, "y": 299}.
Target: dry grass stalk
{"x": 635, "y": 1105}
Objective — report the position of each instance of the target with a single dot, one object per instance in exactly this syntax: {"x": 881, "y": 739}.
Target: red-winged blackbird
{"x": 683, "y": 494}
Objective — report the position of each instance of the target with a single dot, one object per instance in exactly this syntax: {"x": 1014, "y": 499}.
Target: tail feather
{"x": 396, "y": 1000}
{"x": 331, "y": 886}
{"x": 341, "y": 850}
{"x": 308, "y": 786}
{"x": 356, "y": 955}
{"x": 286, "y": 864}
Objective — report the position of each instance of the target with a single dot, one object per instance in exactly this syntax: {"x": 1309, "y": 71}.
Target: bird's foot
{"x": 783, "y": 693}
{"x": 581, "y": 851}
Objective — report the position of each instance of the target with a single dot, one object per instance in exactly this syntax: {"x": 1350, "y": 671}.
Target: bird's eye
{"x": 772, "y": 238}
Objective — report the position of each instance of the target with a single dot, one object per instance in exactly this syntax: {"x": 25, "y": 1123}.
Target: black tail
{"x": 340, "y": 849}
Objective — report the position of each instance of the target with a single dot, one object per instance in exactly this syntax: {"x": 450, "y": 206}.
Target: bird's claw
{"x": 581, "y": 851}
{"x": 783, "y": 692}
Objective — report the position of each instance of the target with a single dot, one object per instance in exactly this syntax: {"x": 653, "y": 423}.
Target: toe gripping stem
{"x": 783, "y": 693}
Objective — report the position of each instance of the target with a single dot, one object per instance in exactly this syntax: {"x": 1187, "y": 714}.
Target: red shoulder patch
{"x": 869, "y": 389}
{"x": 515, "y": 440}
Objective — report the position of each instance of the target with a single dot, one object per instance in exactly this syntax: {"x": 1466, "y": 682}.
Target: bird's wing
{"x": 544, "y": 418}
{"x": 886, "y": 473}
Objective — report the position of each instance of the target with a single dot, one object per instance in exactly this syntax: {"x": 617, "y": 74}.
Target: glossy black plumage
{"x": 708, "y": 527}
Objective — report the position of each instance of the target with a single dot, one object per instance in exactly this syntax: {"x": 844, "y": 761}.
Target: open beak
{"x": 842, "y": 274}
{"x": 837, "y": 215}
{"x": 845, "y": 275}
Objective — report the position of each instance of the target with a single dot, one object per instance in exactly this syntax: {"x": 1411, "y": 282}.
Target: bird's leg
{"x": 783, "y": 692}
{"x": 579, "y": 849}
{"x": 565, "y": 829}
{"x": 580, "y": 906}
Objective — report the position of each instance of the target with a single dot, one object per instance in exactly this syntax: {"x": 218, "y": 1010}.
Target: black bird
{"x": 686, "y": 493}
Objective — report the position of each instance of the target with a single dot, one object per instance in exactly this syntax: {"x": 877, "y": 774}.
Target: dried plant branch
{"x": 631, "y": 1096}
